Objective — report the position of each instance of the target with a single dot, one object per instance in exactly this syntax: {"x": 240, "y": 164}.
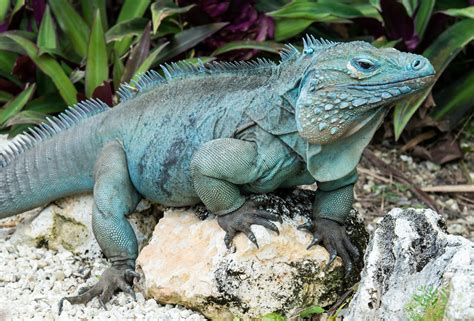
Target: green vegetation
{"x": 428, "y": 304}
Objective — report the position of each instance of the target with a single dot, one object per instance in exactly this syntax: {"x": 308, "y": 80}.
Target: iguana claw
{"x": 241, "y": 220}
{"x": 333, "y": 237}
{"x": 111, "y": 280}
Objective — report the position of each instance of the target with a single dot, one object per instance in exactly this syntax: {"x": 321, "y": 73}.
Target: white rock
{"x": 410, "y": 250}
{"x": 67, "y": 224}
{"x": 187, "y": 263}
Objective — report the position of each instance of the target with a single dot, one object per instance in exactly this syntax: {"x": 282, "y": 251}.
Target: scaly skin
{"x": 211, "y": 134}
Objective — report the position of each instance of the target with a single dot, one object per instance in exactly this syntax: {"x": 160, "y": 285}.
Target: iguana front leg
{"x": 217, "y": 169}
{"x": 114, "y": 198}
{"x": 332, "y": 205}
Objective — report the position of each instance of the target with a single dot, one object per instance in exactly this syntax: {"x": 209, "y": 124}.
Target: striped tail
{"x": 54, "y": 160}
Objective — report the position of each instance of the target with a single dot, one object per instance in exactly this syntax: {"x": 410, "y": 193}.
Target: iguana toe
{"x": 112, "y": 279}
{"x": 241, "y": 220}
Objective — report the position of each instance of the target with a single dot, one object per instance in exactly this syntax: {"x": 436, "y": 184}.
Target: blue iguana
{"x": 213, "y": 133}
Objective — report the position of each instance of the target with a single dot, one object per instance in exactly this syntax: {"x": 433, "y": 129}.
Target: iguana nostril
{"x": 417, "y": 64}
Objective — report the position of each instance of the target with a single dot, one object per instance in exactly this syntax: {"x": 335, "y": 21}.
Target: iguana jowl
{"x": 212, "y": 133}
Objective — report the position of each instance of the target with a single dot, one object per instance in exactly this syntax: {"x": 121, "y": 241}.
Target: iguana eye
{"x": 363, "y": 64}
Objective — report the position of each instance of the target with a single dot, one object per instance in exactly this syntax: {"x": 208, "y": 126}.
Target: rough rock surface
{"x": 410, "y": 250}
{"x": 67, "y": 223}
{"x": 187, "y": 263}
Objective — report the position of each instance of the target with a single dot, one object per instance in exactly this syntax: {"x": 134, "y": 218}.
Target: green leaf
{"x": 137, "y": 55}
{"x": 4, "y": 6}
{"x": 287, "y": 28}
{"x": 423, "y": 16}
{"x": 97, "y": 67}
{"x": 441, "y": 52}
{"x": 467, "y": 12}
{"x": 16, "y": 104}
{"x": 273, "y": 317}
{"x": 269, "y": 46}
{"x": 72, "y": 24}
{"x": 89, "y": 7}
{"x": 117, "y": 71}
{"x": 150, "y": 60}
{"x": 187, "y": 39}
{"x": 47, "y": 65}
{"x": 128, "y": 28}
{"x": 311, "y": 311}
{"x": 50, "y": 104}
{"x": 410, "y": 6}
{"x": 6, "y": 44}
{"x": 303, "y": 9}
{"x": 47, "y": 35}
{"x": 5, "y": 96}
{"x": 165, "y": 8}
{"x": 130, "y": 9}
{"x": 455, "y": 98}
{"x": 26, "y": 117}
{"x": 7, "y": 61}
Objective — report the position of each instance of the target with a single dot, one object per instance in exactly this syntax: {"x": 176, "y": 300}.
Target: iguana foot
{"x": 241, "y": 220}
{"x": 112, "y": 279}
{"x": 334, "y": 238}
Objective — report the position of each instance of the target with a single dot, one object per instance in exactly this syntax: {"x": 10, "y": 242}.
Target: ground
{"x": 377, "y": 192}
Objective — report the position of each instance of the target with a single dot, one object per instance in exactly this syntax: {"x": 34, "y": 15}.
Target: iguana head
{"x": 345, "y": 84}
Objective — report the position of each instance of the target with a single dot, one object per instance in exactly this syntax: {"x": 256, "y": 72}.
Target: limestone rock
{"x": 410, "y": 250}
{"x": 187, "y": 263}
{"x": 67, "y": 223}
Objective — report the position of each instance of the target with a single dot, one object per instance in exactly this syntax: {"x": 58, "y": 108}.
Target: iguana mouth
{"x": 387, "y": 85}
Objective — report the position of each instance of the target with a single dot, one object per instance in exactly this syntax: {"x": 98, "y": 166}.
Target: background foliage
{"x": 55, "y": 53}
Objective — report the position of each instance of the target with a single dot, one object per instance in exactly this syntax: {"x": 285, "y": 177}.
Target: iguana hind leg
{"x": 114, "y": 198}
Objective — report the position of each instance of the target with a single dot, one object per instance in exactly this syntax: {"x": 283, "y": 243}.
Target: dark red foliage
{"x": 398, "y": 24}
{"x": 245, "y": 23}
{"x": 24, "y": 69}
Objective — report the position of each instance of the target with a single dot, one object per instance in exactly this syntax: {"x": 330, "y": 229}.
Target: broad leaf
{"x": 304, "y": 9}
{"x": 4, "y": 6}
{"x": 287, "y": 28}
{"x": 423, "y": 16}
{"x": 89, "y": 8}
{"x": 137, "y": 55}
{"x": 187, "y": 39}
{"x": 456, "y": 99}
{"x": 467, "y": 12}
{"x": 5, "y": 96}
{"x": 47, "y": 35}
{"x": 7, "y": 61}
{"x": 269, "y": 46}
{"x": 16, "y": 104}
{"x": 117, "y": 71}
{"x": 440, "y": 53}
{"x": 48, "y": 65}
{"x": 130, "y": 9}
{"x": 128, "y": 28}
{"x": 47, "y": 104}
{"x": 162, "y": 9}
{"x": 7, "y": 44}
{"x": 72, "y": 24}
{"x": 150, "y": 60}
{"x": 26, "y": 117}
{"x": 97, "y": 67}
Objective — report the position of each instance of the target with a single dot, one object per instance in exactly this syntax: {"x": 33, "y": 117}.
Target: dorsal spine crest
{"x": 50, "y": 127}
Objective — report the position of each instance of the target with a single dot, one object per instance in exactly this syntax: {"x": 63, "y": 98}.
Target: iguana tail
{"x": 54, "y": 160}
